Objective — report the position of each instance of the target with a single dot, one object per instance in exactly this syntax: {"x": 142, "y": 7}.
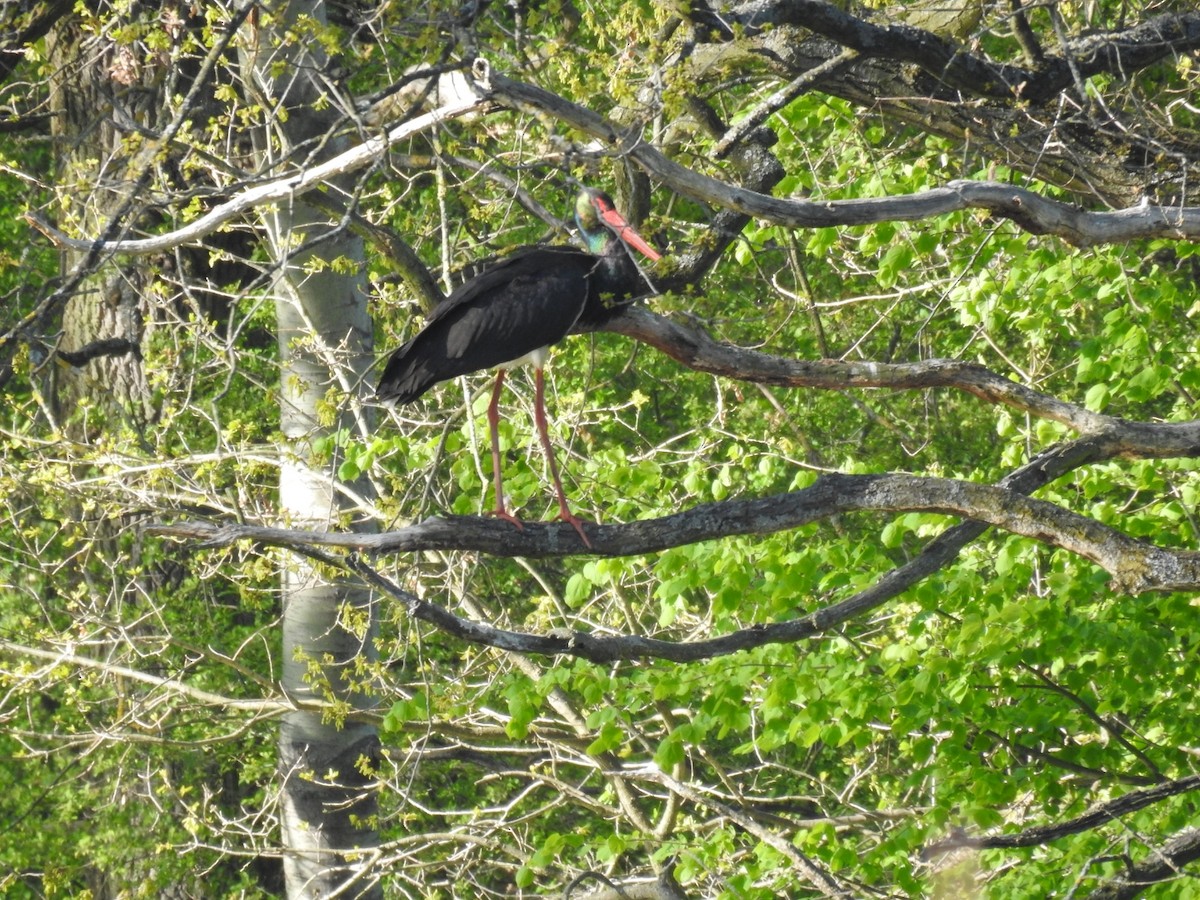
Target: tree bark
{"x": 110, "y": 305}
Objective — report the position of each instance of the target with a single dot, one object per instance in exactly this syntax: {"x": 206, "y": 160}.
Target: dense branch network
{"x": 1162, "y": 864}
{"x": 1048, "y": 116}
{"x": 1027, "y": 209}
{"x": 1114, "y": 53}
{"x": 1134, "y": 566}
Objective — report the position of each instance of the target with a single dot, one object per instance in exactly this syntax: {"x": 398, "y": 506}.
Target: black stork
{"x": 513, "y": 312}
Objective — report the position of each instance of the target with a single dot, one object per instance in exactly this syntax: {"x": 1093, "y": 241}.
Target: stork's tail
{"x": 405, "y": 378}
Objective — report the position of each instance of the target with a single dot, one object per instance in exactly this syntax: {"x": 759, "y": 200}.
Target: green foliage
{"x": 1010, "y": 689}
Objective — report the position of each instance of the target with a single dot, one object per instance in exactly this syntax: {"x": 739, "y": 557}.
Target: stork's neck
{"x": 600, "y": 242}
{"x": 616, "y": 273}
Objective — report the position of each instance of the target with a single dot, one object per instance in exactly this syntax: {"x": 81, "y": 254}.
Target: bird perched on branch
{"x": 513, "y": 312}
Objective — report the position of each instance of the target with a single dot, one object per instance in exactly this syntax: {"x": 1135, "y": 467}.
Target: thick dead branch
{"x": 1135, "y": 566}
{"x": 13, "y": 41}
{"x": 697, "y": 350}
{"x": 97, "y": 349}
{"x": 1095, "y": 817}
{"x": 1163, "y": 864}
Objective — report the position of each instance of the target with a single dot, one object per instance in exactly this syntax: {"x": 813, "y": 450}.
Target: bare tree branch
{"x": 1134, "y": 565}
{"x": 1163, "y": 864}
{"x": 938, "y": 553}
{"x": 959, "y": 67}
{"x": 935, "y": 555}
{"x": 13, "y": 41}
{"x": 96, "y": 349}
{"x": 823, "y": 882}
{"x": 1098, "y": 815}
{"x": 277, "y": 191}
{"x": 263, "y": 706}
{"x": 1026, "y": 209}
{"x": 697, "y": 350}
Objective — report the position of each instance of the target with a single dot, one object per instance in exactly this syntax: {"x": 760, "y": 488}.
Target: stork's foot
{"x": 565, "y": 514}
{"x": 501, "y": 513}
{"x": 576, "y": 523}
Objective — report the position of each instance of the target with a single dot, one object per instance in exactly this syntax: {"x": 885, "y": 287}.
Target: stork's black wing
{"x": 521, "y": 304}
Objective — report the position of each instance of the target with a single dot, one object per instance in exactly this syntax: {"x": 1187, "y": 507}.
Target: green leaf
{"x": 1097, "y": 397}
{"x": 577, "y": 590}
{"x": 610, "y": 738}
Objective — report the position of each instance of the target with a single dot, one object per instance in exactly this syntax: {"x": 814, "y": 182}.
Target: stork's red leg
{"x": 493, "y": 414}
{"x": 539, "y": 413}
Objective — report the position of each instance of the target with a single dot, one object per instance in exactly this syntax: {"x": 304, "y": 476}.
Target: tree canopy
{"x": 891, "y": 481}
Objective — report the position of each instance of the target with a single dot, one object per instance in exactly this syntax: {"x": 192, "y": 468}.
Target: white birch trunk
{"x": 328, "y": 802}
